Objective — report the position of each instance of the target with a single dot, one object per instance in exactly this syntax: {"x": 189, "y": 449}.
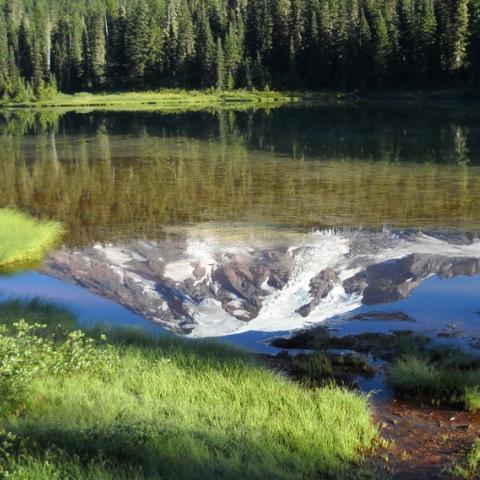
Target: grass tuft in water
{"x": 24, "y": 239}
{"x": 440, "y": 376}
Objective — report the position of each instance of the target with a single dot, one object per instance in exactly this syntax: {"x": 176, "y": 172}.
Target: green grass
{"x": 24, "y": 239}
{"x": 161, "y": 100}
{"x": 439, "y": 376}
{"x": 470, "y": 468}
{"x": 135, "y": 407}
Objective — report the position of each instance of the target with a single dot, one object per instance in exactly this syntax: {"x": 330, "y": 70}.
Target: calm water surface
{"x": 241, "y": 224}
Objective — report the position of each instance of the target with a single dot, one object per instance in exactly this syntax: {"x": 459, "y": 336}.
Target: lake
{"x": 247, "y": 224}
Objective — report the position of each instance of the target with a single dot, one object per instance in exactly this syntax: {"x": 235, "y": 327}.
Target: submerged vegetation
{"x": 416, "y": 368}
{"x": 24, "y": 239}
{"x": 129, "y": 406}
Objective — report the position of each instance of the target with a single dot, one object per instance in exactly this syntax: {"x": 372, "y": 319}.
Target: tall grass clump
{"x": 25, "y": 239}
{"x": 134, "y": 407}
{"x": 443, "y": 376}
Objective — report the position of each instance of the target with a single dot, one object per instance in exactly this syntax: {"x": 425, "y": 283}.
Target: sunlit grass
{"x": 162, "y": 99}
{"x": 171, "y": 408}
{"x": 24, "y": 239}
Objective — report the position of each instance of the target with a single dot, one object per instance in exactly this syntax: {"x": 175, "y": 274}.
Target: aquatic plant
{"x": 323, "y": 368}
{"x": 137, "y": 407}
{"x": 25, "y": 239}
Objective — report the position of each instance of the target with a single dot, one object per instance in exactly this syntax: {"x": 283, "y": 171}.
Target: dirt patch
{"x": 425, "y": 443}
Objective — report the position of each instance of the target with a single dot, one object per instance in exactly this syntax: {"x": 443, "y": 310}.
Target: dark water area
{"x": 243, "y": 225}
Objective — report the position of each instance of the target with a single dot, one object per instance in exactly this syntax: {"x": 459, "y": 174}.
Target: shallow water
{"x": 243, "y": 225}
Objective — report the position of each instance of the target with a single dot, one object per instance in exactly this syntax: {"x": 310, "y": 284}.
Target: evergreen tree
{"x": 474, "y": 49}
{"x": 13, "y": 76}
{"x": 380, "y": 48}
{"x": 137, "y": 42}
{"x": 97, "y": 49}
{"x": 233, "y": 55}
{"x": 205, "y": 51}
{"x": 60, "y": 58}
{"x": 38, "y": 80}
{"x": 364, "y": 50}
{"x": 460, "y": 30}
{"x": 116, "y": 61}
{"x": 4, "y": 77}
{"x": 453, "y": 19}
{"x": 185, "y": 54}
{"x": 220, "y": 65}
{"x": 426, "y": 38}
{"x": 236, "y": 43}
{"x": 25, "y": 51}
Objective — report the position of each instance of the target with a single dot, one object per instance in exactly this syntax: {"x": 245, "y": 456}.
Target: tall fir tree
{"x": 205, "y": 51}
{"x": 4, "y": 77}
{"x": 220, "y": 65}
{"x": 97, "y": 49}
{"x": 136, "y": 43}
{"x": 380, "y": 48}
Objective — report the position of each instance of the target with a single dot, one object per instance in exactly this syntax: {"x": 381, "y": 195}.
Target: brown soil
{"x": 424, "y": 442}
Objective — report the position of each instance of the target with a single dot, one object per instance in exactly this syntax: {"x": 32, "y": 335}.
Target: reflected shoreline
{"x": 116, "y": 176}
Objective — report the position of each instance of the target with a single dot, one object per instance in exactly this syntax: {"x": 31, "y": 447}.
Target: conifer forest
{"x": 85, "y": 45}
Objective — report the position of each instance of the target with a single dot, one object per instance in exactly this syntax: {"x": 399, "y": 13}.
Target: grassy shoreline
{"x": 125, "y": 405}
{"x": 160, "y": 100}
{"x": 178, "y": 99}
{"x": 24, "y": 239}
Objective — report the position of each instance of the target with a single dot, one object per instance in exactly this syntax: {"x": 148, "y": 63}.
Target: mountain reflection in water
{"x": 205, "y": 283}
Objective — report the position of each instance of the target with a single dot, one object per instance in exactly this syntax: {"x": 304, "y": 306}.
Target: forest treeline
{"x": 283, "y": 44}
